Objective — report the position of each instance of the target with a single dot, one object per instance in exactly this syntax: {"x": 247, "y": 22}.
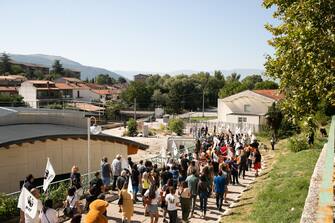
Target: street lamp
{"x": 95, "y": 130}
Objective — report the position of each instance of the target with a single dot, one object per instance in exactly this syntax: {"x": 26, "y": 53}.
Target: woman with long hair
{"x": 152, "y": 196}
{"x": 204, "y": 192}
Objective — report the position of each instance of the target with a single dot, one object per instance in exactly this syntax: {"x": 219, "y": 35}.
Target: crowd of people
{"x": 179, "y": 184}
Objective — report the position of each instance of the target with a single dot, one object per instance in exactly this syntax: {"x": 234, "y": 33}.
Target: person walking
{"x": 116, "y": 169}
{"x": 204, "y": 192}
{"x": 106, "y": 172}
{"x": 258, "y": 159}
{"x": 185, "y": 201}
{"x": 135, "y": 179}
{"x": 127, "y": 204}
{"x": 243, "y": 159}
{"x": 192, "y": 184}
{"x": 219, "y": 189}
{"x": 172, "y": 204}
{"x": 153, "y": 196}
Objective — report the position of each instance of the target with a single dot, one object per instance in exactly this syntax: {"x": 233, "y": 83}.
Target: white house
{"x": 247, "y": 109}
{"x": 39, "y": 92}
{"x": 75, "y": 89}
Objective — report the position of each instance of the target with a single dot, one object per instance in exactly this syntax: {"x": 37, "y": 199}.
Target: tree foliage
{"x": 5, "y": 66}
{"x": 304, "y": 58}
{"x": 266, "y": 85}
{"x": 176, "y": 125}
{"x": 274, "y": 119}
{"x": 132, "y": 127}
{"x": 104, "y": 79}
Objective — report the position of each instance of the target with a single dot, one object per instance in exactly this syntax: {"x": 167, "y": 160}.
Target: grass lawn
{"x": 279, "y": 195}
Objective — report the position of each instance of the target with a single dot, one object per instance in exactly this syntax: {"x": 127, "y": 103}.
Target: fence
{"x": 218, "y": 126}
{"x": 319, "y": 202}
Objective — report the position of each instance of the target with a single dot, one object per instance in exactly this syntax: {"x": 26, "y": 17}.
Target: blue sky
{"x": 146, "y": 35}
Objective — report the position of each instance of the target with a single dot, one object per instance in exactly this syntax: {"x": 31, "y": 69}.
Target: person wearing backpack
{"x": 72, "y": 203}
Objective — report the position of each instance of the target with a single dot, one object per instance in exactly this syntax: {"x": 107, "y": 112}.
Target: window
{"x": 242, "y": 119}
{"x": 247, "y": 108}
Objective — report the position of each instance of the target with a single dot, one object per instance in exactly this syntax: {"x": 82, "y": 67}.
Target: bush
{"x": 176, "y": 125}
{"x": 297, "y": 144}
{"x": 58, "y": 193}
{"x": 132, "y": 127}
{"x": 8, "y": 207}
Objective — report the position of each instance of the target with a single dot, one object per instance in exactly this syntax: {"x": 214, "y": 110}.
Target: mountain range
{"x": 48, "y": 60}
{"x": 91, "y": 72}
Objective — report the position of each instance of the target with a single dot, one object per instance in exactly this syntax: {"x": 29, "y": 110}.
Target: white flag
{"x": 175, "y": 149}
{"x": 130, "y": 187}
{"x": 28, "y": 203}
{"x": 49, "y": 175}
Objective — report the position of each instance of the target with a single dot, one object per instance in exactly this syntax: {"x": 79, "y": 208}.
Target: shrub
{"x": 132, "y": 127}
{"x": 297, "y": 144}
{"x": 176, "y": 125}
{"x": 8, "y": 207}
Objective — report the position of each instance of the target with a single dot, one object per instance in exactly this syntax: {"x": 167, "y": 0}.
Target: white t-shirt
{"x": 50, "y": 214}
{"x": 36, "y": 219}
{"x": 72, "y": 200}
{"x": 172, "y": 201}
{"x": 153, "y": 201}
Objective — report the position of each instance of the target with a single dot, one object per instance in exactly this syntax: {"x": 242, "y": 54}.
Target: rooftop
{"x": 273, "y": 94}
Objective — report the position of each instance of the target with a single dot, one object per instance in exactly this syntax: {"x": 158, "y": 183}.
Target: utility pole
{"x": 135, "y": 109}
{"x": 203, "y": 103}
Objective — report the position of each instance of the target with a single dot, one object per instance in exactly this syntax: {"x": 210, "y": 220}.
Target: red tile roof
{"x": 64, "y": 86}
{"x": 273, "y": 94}
{"x": 7, "y": 89}
{"x": 103, "y": 92}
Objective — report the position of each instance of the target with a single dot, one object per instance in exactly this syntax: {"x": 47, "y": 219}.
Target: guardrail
{"x": 326, "y": 195}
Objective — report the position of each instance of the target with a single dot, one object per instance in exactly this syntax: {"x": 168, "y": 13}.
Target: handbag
{"x": 68, "y": 211}
{"x": 120, "y": 201}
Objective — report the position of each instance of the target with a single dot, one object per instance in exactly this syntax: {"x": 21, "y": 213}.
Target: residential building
{"x": 10, "y": 83}
{"x": 29, "y": 67}
{"x": 247, "y": 109}
{"x": 39, "y": 92}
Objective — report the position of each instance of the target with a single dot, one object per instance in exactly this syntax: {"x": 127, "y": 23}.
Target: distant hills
{"x": 48, "y": 60}
{"x": 91, "y": 72}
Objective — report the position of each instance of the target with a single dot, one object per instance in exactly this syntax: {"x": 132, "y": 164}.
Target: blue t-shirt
{"x": 219, "y": 184}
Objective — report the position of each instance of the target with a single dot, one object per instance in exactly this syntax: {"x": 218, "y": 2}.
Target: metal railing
{"x": 326, "y": 196}
{"x": 84, "y": 183}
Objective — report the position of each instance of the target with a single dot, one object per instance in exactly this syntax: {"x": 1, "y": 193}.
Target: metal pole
{"x": 88, "y": 149}
{"x": 203, "y": 103}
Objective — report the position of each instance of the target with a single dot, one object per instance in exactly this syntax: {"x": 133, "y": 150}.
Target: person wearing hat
{"x": 116, "y": 169}
{"x": 96, "y": 213}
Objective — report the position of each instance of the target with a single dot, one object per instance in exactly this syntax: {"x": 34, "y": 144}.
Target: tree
{"x": 138, "y": 90}
{"x": 266, "y": 85}
{"x": 121, "y": 80}
{"x": 5, "y": 66}
{"x": 176, "y": 125}
{"x": 230, "y": 89}
{"x": 104, "y": 79}
{"x": 16, "y": 69}
{"x": 233, "y": 77}
{"x": 71, "y": 73}
{"x": 304, "y": 58}
{"x": 249, "y": 82}
{"x": 274, "y": 118}
{"x": 132, "y": 127}
{"x": 57, "y": 67}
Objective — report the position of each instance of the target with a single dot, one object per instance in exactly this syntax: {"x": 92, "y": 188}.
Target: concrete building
{"x": 39, "y": 92}
{"x": 247, "y": 109}
{"x": 28, "y": 137}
